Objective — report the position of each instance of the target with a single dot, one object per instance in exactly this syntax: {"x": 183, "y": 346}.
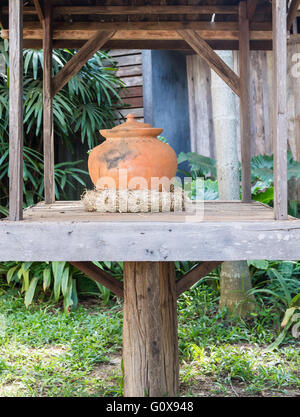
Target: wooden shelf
{"x": 229, "y": 231}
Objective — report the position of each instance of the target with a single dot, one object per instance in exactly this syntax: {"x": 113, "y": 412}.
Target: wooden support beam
{"x": 78, "y": 60}
{"x": 16, "y": 110}
{"x": 245, "y": 102}
{"x": 48, "y": 130}
{"x": 212, "y": 59}
{"x": 150, "y": 343}
{"x": 142, "y": 10}
{"x": 292, "y": 13}
{"x": 280, "y": 108}
{"x": 200, "y": 271}
{"x": 251, "y": 8}
{"x": 39, "y": 11}
{"x": 104, "y": 278}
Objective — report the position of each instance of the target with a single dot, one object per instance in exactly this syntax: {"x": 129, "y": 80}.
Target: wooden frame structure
{"x": 147, "y": 244}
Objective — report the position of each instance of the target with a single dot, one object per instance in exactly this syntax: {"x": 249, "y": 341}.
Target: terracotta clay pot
{"x": 131, "y": 150}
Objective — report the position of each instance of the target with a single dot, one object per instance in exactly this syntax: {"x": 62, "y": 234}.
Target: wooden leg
{"x": 16, "y": 124}
{"x": 150, "y": 345}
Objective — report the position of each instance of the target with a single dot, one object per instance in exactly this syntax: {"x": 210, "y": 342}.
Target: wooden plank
{"x": 189, "y": 279}
{"x": 150, "y": 342}
{"x": 245, "y": 102}
{"x": 212, "y": 59}
{"x": 16, "y": 110}
{"x": 129, "y": 60}
{"x": 132, "y": 92}
{"x": 134, "y": 102}
{"x": 103, "y": 277}
{"x": 158, "y": 35}
{"x": 251, "y": 8}
{"x": 39, "y": 11}
{"x": 78, "y": 60}
{"x": 149, "y": 241}
{"x": 133, "y": 81}
{"x": 142, "y": 10}
{"x": 130, "y": 70}
{"x": 292, "y": 13}
{"x": 48, "y": 129}
{"x": 280, "y": 108}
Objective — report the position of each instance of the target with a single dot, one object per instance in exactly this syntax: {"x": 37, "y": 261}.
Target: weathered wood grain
{"x": 48, "y": 128}
{"x": 280, "y": 108}
{"x": 189, "y": 279}
{"x": 150, "y": 346}
{"x": 16, "y": 110}
{"x": 78, "y": 60}
{"x": 212, "y": 59}
{"x": 149, "y": 240}
{"x": 245, "y": 101}
{"x": 104, "y": 278}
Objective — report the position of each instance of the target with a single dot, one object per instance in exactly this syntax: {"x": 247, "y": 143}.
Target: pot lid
{"x": 131, "y": 128}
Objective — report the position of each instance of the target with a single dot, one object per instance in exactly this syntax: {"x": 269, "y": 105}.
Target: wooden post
{"x": 245, "y": 103}
{"x": 150, "y": 345}
{"x": 16, "y": 110}
{"x": 280, "y": 108}
{"x": 48, "y": 130}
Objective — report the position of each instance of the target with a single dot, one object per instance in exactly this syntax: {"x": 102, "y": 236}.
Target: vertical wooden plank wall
{"x": 16, "y": 110}
{"x": 48, "y": 131}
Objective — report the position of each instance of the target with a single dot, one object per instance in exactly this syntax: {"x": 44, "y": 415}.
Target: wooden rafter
{"x": 142, "y": 10}
{"x": 78, "y": 60}
{"x": 104, "y": 278}
{"x": 136, "y": 10}
{"x": 200, "y": 271}
{"x": 292, "y": 13}
{"x": 212, "y": 59}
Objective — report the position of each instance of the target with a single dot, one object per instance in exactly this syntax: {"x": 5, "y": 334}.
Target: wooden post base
{"x": 150, "y": 343}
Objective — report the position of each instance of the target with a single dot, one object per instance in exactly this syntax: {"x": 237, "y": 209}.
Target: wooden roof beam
{"x": 212, "y": 59}
{"x": 77, "y": 62}
{"x": 142, "y": 10}
{"x": 292, "y": 13}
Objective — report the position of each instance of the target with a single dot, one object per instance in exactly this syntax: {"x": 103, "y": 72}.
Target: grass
{"x": 45, "y": 352}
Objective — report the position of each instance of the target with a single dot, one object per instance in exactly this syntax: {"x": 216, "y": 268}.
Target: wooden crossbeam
{"x": 104, "y": 278}
{"x": 212, "y": 59}
{"x": 152, "y": 25}
{"x": 200, "y": 271}
{"x": 251, "y": 8}
{"x": 292, "y": 13}
{"x": 78, "y": 60}
{"x": 142, "y": 10}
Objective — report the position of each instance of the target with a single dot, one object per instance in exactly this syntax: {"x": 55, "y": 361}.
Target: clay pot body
{"x": 130, "y": 157}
